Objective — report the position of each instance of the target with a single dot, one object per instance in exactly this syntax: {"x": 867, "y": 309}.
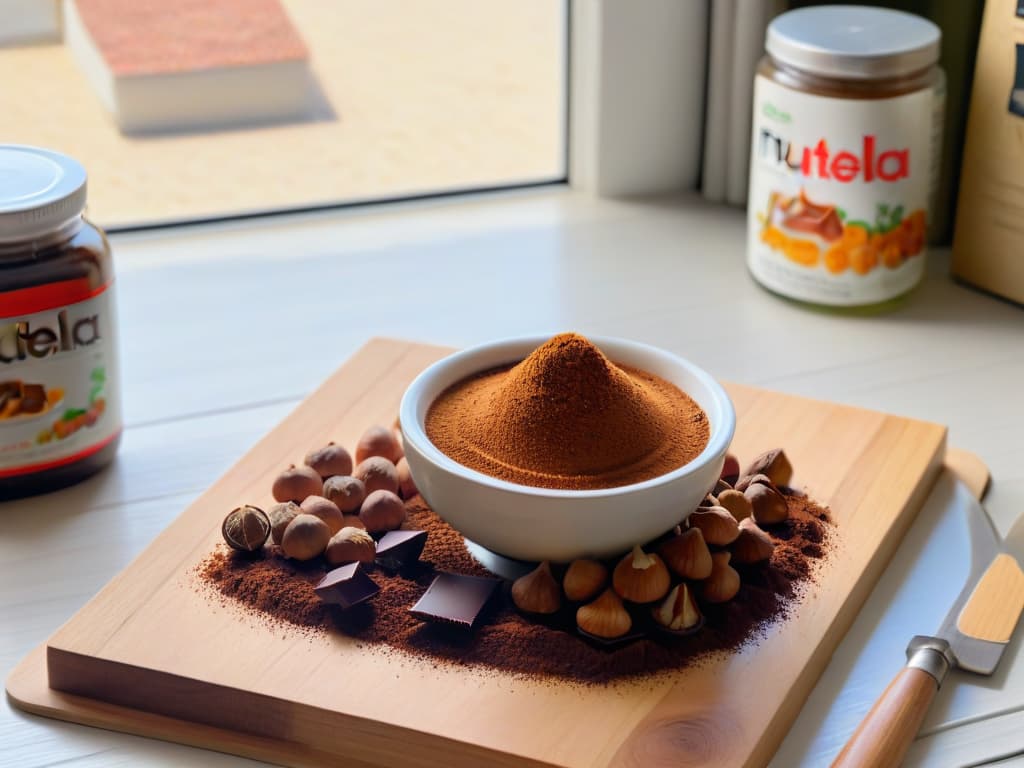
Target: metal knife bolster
{"x": 932, "y": 655}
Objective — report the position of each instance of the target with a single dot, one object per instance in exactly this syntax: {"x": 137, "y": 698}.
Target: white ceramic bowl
{"x": 528, "y": 523}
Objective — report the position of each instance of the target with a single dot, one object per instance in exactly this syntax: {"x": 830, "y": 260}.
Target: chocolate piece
{"x": 455, "y": 599}
{"x": 346, "y": 586}
{"x": 33, "y": 399}
{"x": 400, "y": 548}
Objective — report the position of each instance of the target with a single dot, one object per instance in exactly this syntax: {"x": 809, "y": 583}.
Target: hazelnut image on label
{"x": 296, "y": 483}
{"x": 330, "y": 460}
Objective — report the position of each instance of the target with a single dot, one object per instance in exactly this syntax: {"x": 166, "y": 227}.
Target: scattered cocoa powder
{"x": 567, "y": 417}
{"x": 281, "y": 590}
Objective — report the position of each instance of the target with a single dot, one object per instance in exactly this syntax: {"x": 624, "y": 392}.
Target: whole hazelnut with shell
{"x": 406, "y": 485}
{"x": 330, "y": 460}
{"x": 537, "y": 591}
{"x": 325, "y": 509}
{"x": 716, "y": 523}
{"x": 724, "y": 582}
{"x": 767, "y": 504}
{"x": 379, "y": 441}
{"x": 280, "y": 515}
{"x": 584, "y": 579}
{"x": 687, "y": 554}
{"x": 641, "y": 577}
{"x": 382, "y": 511}
{"x": 305, "y": 537}
{"x": 737, "y": 503}
{"x": 606, "y": 617}
{"x": 346, "y": 492}
{"x": 753, "y": 544}
{"x": 774, "y": 464}
{"x": 377, "y": 474}
{"x": 296, "y": 483}
{"x": 350, "y": 545}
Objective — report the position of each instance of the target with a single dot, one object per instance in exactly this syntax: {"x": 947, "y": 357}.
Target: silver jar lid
{"x": 40, "y": 191}
{"x": 853, "y": 42}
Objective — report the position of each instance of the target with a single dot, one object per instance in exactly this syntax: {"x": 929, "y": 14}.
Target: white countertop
{"x": 224, "y": 329}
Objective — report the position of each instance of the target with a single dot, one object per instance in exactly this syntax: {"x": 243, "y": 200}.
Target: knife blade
{"x": 972, "y": 637}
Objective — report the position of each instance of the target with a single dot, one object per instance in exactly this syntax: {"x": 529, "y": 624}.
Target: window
{"x": 401, "y": 98}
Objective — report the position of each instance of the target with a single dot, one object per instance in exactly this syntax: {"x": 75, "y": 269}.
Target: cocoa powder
{"x": 568, "y": 417}
{"x": 280, "y": 590}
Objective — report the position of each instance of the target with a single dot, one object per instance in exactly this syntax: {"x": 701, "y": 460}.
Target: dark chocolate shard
{"x": 455, "y": 599}
{"x": 346, "y": 586}
{"x": 33, "y": 398}
{"x": 397, "y": 549}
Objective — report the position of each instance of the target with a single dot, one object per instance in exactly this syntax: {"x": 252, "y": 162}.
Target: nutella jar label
{"x": 839, "y": 192}
{"x": 58, "y": 372}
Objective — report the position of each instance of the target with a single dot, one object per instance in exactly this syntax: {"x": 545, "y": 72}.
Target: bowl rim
{"x": 414, "y": 430}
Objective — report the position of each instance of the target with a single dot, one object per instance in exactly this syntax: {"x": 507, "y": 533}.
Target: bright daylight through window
{"x": 206, "y": 108}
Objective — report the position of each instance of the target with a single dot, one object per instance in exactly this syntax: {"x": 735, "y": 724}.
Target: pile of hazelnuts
{"x": 331, "y": 505}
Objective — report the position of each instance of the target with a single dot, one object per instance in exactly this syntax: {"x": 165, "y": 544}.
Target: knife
{"x": 972, "y": 637}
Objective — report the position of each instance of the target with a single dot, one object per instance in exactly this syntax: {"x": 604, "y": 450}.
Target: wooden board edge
{"x": 772, "y": 737}
{"x": 184, "y": 700}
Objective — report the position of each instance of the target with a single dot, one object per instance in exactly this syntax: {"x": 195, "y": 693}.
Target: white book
{"x": 191, "y": 64}
{"x": 29, "y": 21}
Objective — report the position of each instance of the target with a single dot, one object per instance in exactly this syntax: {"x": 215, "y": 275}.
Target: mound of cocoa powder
{"x": 280, "y": 590}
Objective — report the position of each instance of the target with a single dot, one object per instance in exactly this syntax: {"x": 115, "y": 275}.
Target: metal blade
{"x": 972, "y": 654}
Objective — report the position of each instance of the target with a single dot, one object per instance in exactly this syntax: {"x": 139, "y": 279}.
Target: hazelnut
{"x": 280, "y": 515}
{"x": 678, "y": 612}
{"x": 737, "y": 503}
{"x": 687, "y": 554}
{"x": 748, "y": 480}
{"x": 537, "y": 591}
{"x": 330, "y": 460}
{"x": 377, "y": 474}
{"x": 720, "y": 486}
{"x": 325, "y": 509}
{"x": 731, "y": 469}
{"x": 724, "y": 582}
{"x": 640, "y": 577}
{"x": 406, "y": 485}
{"x": 584, "y": 579}
{"x": 716, "y": 523}
{"x": 378, "y": 441}
{"x": 382, "y": 511}
{"x": 346, "y": 492}
{"x": 296, "y": 483}
{"x": 709, "y": 500}
{"x": 245, "y": 528}
{"x": 352, "y": 521}
{"x": 753, "y": 545}
{"x": 606, "y": 617}
{"x": 775, "y": 464}
{"x": 351, "y": 545}
{"x": 305, "y": 537}
{"x": 769, "y": 506}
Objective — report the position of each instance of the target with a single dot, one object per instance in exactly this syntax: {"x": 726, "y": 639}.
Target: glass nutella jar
{"x": 60, "y": 410}
{"x": 844, "y": 156}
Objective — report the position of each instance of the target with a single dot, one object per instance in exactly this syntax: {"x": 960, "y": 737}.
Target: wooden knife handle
{"x": 884, "y": 735}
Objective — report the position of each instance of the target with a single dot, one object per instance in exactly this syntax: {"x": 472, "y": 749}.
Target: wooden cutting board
{"x": 149, "y": 654}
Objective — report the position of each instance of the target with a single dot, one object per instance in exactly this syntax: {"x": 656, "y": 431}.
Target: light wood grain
{"x": 134, "y": 643}
{"x": 884, "y": 735}
{"x": 994, "y": 607}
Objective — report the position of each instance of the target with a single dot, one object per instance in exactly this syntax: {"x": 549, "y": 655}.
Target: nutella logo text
{"x": 843, "y": 166}
{"x": 20, "y": 340}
